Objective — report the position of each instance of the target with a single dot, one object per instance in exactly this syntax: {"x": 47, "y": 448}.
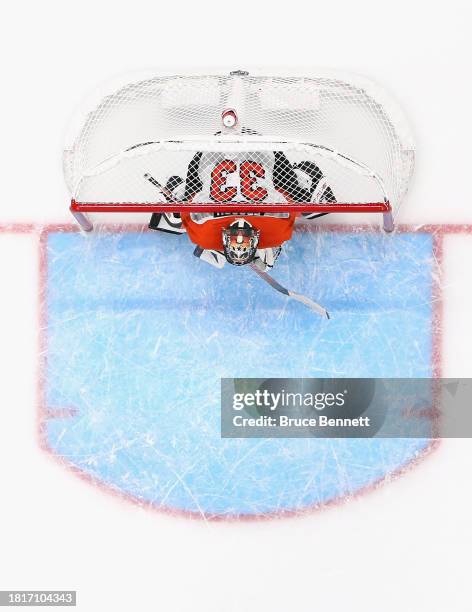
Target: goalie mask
{"x": 240, "y": 242}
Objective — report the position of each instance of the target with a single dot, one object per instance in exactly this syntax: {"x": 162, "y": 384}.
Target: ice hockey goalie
{"x": 241, "y": 238}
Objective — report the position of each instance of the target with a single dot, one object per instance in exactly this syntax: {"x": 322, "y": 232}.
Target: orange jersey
{"x": 208, "y": 235}
{"x": 237, "y": 177}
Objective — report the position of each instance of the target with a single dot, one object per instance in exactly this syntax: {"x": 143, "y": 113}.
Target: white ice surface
{"x": 406, "y": 546}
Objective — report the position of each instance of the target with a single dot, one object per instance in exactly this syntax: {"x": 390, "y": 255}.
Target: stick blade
{"x": 310, "y": 303}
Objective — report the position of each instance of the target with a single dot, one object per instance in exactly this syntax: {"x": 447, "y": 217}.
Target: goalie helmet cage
{"x": 133, "y": 139}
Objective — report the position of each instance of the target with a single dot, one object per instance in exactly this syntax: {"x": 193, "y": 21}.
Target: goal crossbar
{"x": 79, "y": 208}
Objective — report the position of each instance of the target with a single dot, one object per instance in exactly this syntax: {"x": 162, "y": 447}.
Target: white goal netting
{"x": 348, "y": 130}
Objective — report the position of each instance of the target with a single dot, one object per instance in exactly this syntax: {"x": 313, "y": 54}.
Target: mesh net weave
{"x": 351, "y": 132}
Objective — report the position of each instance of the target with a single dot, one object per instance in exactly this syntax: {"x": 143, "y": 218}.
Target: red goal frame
{"x": 79, "y": 209}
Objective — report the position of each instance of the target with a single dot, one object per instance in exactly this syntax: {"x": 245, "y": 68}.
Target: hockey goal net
{"x": 237, "y": 128}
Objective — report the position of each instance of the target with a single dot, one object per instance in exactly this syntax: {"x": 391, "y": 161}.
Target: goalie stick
{"x": 173, "y": 228}
{"x": 296, "y": 296}
{"x": 165, "y": 192}
{"x": 266, "y": 277}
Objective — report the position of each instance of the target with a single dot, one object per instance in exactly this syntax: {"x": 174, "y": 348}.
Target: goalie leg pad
{"x": 266, "y": 258}
{"x": 167, "y": 222}
{"x": 312, "y": 178}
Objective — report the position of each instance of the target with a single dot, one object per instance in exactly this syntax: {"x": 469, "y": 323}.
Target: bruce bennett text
{"x": 285, "y": 421}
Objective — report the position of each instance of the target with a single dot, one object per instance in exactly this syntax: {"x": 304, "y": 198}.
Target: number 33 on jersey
{"x": 238, "y": 178}
{"x": 227, "y": 179}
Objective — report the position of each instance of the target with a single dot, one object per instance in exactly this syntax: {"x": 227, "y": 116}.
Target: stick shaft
{"x": 166, "y": 193}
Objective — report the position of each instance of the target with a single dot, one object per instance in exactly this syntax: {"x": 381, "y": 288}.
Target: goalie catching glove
{"x": 170, "y": 223}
